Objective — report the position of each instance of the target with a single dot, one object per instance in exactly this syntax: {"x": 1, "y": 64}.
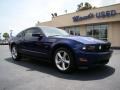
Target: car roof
{"x": 42, "y": 26}
{"x": 39, "y": 27}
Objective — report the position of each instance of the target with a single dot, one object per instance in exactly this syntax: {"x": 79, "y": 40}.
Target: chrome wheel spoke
{"x": 67, "y": 61}
{"x": 64, "y": 55}
{"x": 59, "y": 55}
{"x": 63, "y": 66}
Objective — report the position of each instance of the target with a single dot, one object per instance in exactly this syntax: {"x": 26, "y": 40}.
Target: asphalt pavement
{"x": 35, "y": 75}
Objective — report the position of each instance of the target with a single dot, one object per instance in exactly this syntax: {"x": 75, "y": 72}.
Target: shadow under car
{"x": 83, "y": 75}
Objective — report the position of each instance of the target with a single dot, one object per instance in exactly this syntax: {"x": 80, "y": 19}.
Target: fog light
{"x": 83, "y": 60}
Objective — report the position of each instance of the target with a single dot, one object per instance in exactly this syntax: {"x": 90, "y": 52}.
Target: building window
{"x": 97, "y": 31}
{"x": 73, "y": 30}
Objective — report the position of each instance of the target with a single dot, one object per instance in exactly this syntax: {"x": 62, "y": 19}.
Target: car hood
{"x": 83, "y": 39}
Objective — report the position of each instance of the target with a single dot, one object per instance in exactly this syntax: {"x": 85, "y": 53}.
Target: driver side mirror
{"x": 37, "y": 35}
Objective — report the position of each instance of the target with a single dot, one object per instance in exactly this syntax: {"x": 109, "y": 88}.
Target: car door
{"x": 34, "y": 46}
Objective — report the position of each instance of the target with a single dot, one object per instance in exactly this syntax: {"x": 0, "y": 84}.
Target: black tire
{"x": 71, "y": 67}
{"x": 17, "y": 56}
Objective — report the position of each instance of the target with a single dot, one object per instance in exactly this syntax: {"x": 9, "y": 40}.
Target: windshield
{"x": 50, "y": 31}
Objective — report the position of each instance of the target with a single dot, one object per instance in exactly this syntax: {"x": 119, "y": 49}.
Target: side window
{"x": 29, "y": 32}
{"x": 36, "y": 31}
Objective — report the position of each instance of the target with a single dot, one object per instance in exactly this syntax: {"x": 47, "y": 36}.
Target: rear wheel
{"x": 15, "y": 54}
{"x": 64, "y": 60}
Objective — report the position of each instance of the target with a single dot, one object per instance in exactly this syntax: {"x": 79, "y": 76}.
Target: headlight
{"x": 84, "y": 48}
{"x": 88, "y": 48}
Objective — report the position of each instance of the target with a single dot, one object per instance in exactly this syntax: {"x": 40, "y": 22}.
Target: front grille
{"x": 99, "y": 48}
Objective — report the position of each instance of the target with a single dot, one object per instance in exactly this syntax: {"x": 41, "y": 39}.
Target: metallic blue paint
{"x": 45, "y": 46}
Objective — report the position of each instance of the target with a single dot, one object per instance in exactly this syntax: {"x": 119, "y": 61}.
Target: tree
{"x": 86, "y": 6}
{"x": 79, "y": 6}
{"x": 6, "y": 35}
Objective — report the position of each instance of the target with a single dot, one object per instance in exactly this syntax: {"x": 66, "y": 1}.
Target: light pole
{"x": 11, "y": 33}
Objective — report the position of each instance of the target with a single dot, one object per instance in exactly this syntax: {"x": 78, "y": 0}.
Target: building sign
{"x": 102, "y": 14}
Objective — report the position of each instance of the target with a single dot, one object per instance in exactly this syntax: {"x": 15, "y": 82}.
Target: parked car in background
{"x": 3, "y": 42}
{"x": 57, "y": 46}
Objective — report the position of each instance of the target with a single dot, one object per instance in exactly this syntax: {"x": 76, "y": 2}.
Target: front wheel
{"x": 64, "y": 61}
{"x": 15, "y": 54}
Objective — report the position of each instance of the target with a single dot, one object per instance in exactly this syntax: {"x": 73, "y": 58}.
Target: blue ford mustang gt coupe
{"x": 55, "y": 45}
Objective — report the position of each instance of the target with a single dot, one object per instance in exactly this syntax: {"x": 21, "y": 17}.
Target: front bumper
{"x": 90, "y": 59}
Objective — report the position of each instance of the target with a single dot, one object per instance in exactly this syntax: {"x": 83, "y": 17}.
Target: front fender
{"x": 70, "y": 44}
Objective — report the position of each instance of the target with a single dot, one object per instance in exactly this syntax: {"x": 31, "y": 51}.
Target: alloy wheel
{"x": 62, "y": 60}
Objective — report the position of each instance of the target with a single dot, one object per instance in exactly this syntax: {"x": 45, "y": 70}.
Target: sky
{"x": 18, "y": 15}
